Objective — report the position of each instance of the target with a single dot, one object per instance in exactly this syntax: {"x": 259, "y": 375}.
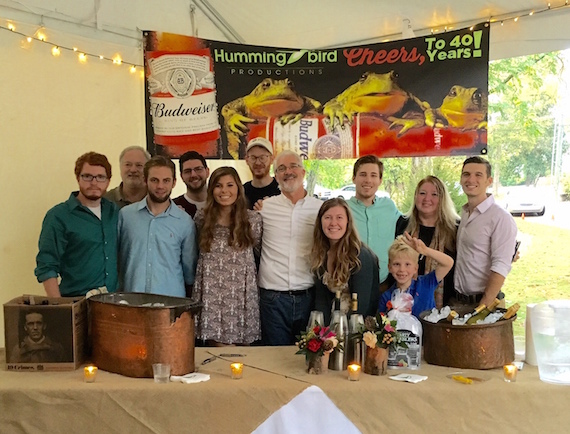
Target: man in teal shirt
{"x": 78, "y": 241}
{"x": 375, "y": 217}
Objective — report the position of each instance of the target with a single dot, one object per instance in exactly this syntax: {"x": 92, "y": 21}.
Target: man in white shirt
{"x": 285, "y": 278}
{"x": 194, "y": 172}
{"x": 485, "y": 239}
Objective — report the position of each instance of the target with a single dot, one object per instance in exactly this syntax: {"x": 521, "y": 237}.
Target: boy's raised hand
{"x": 415, "y": 243}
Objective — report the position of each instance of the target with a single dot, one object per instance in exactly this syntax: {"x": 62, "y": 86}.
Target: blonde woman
{"x": 433, "y": 219}
{"x": 226, "y": 278}
{"x": 341, "y": 262}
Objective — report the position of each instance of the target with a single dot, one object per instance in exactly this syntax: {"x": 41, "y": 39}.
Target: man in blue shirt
{"x": 78, "y": 241}
{"x": 157, "y": 240}
{"x": 375, "y": 217}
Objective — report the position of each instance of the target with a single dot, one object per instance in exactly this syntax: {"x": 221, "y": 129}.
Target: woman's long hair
{"x": 445, "y": 226}
{"x": 240, "y": 236}
{"x": 346, "y": 260}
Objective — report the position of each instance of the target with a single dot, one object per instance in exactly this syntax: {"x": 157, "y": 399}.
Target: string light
{"x": 40, "y": 36}
{"x": 502, "y": 19}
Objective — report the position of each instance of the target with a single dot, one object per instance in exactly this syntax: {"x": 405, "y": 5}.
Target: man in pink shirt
{"x": 485, "y": 239}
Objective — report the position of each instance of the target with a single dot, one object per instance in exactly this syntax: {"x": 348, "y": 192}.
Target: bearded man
{"x": 259, "y": 156}
{"x": 285, "y": 278}
{"x": 78, "y": 241}
{"x": 194, "y": 172}
{"x": 157, "y": 240}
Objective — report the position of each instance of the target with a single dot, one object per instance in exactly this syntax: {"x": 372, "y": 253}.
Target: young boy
{"x": 403, "y": 265}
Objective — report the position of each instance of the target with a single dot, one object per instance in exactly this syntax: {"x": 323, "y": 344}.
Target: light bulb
{"x": 11, "y": 26}
{"x": 133, "y": 69}
{"x": 55, "y": 51}
{"x": 29, "y": 39}
{"x": 82, "y": 57}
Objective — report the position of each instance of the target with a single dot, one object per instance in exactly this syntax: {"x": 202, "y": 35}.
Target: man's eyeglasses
{"x": 262, "y": 158}
{"x": 283, "y": 168}
{"x": 197, "y": 170}
{"x": 88, "y": 178}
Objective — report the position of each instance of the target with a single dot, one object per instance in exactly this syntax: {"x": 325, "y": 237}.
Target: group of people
{"x": 260, "y": 256}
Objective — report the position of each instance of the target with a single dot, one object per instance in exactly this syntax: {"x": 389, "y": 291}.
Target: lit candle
{"x": 89, "y": 374}
{"x": 353, "y": 372}
{"x": 510, "y": 372}
{"x": 237, "y": 370}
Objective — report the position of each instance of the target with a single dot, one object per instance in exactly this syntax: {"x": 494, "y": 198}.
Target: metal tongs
{"x": 211, "y": 359}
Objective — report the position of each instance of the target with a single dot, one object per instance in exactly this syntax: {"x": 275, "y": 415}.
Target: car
{"x": 347, "y": 192}
{"x": 525, "y": 201}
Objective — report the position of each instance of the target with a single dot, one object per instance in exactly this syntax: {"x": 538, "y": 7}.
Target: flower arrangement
{"x": 380, "y": 331}
{"x": 317, "y": 341}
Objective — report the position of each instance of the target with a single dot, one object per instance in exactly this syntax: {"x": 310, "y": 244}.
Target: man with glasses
{"x": 78, "y": 241}
{"x": 259, "y": 156}
{"x": 132, "y": 187}
{"x": 285, "y": 278}
{"x": 194, "y": 172}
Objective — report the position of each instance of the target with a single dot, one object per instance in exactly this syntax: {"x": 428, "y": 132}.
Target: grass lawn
{"x": 543, "y": 270}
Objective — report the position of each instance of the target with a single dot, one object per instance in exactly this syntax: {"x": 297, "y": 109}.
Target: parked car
{"x": 525, "y": 200}
{"x": 347, "y": 192}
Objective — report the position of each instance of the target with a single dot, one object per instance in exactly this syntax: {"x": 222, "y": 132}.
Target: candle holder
{"x": 353, "y": 372}
{"x": 510, "y": 373}
{"x": 89, "y": 374}
{"x": 237, "y": 370}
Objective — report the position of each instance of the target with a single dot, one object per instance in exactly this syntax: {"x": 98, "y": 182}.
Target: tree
{"x": 522, "y": 94}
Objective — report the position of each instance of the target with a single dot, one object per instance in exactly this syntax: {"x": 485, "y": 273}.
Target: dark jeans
{"x": 284, "y": 314}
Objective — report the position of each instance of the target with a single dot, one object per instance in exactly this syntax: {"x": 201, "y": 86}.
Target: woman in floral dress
{"x": 226, "y": 278}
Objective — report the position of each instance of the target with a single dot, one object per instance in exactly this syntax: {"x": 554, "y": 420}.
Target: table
{"x": 53, "y": 402}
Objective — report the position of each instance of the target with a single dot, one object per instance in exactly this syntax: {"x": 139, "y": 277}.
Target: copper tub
{"x": 129, "y": 338}
{"x": 484, "y": 346}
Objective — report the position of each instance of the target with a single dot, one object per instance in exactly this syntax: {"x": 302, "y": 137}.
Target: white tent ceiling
{"x": 305, "y": 23}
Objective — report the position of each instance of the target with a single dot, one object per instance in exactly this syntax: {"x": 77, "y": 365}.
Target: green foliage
{"x": 331, "y": 174}
{"x": 565, "y": 184}
{"x": 522, "y": 94}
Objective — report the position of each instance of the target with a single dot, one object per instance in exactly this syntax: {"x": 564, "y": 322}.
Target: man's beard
{"x": 157, "y": 199}
{"x": 290, "y": 185}
{"x": 196, "y": 189}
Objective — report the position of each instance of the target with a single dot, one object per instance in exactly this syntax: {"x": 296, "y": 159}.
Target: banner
{"x": 423, "y": 96}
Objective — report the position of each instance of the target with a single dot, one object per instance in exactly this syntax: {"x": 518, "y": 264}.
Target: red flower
{"x": 316, "y": 330}
{"x": 389, "y": 305}
{"x": 313, "y": 345}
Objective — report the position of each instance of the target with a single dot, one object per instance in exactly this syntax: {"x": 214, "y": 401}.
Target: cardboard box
{"x": 45, "y": 333}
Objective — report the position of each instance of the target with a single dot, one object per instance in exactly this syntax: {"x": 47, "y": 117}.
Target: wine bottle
{"x": 452, "y": 315}
{"x": 483, "y": 313}
{"x": 339, "y": 325}
{"x": 511, "y": 311}
{"x": 354, "y": 353}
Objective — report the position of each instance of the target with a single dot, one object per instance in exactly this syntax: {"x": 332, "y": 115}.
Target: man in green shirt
{"x": 374, "y": 217}
{"x": 78, "y": 241}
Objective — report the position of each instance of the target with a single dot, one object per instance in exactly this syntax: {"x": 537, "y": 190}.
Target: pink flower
{"x": 389, "y": 328}
{"x": 314, "y": 345}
